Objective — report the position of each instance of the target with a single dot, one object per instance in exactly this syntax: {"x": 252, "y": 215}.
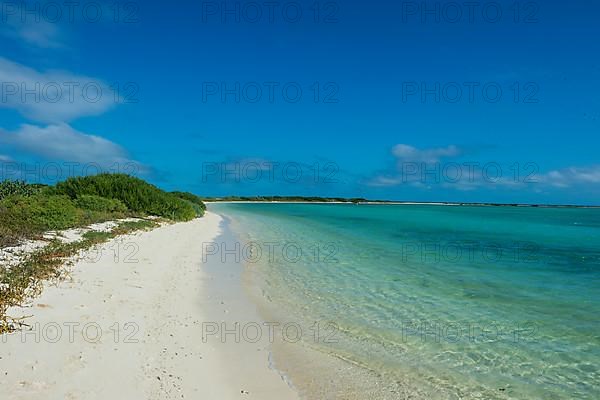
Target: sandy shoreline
{"x": 133, "y": 323}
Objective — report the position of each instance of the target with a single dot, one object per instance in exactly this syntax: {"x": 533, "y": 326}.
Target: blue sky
{"x": 427, "y": 101}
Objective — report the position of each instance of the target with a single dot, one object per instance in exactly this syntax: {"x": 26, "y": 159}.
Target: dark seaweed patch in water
{"x": 569, "y": 260}
{"x": 476, "y": 294}
{"x": 299, "y": 215}
{"x": 403, "y": 234}
{"x": 358, "y": 219}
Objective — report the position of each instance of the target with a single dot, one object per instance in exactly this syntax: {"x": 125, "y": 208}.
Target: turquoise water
{"x": 463, "y": 302}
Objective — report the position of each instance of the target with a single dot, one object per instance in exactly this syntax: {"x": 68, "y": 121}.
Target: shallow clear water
{"x": 465, "y": 302}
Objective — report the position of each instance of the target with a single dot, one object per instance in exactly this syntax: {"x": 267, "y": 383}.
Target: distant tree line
{"x": 311, "y": 199}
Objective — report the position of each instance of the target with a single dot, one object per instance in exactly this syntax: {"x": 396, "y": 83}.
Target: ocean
{"x": 425, "y": 301}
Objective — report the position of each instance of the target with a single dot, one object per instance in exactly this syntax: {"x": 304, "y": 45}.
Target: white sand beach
{"x": 128, "y": 324}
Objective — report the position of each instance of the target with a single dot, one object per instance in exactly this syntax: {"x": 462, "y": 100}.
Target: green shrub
{"x": 195, "y": 201}
{"x": 197, "y": 209}
{"x": 10, "y": 188}
{"x": 139, "y": 196}
{"x": 100, "y": 204}
{"x": 132, "y": 226}
{"x": 28, "y": 210}
{"x": 34, "y": 214}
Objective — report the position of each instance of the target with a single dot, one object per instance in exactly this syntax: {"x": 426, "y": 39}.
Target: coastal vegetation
{"x": 137, "y": 195}
{"x": 195, "y": 201}
{"x": 28, "y": 211}
{"x": 360, "y": 200}
{"x": 24, "y": 280}
{"x": 310, "y": 199}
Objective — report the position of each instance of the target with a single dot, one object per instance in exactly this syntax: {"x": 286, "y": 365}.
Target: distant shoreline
{"x": 399, "y": 203}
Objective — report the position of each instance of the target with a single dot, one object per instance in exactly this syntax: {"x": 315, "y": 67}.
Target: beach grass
{"x": 24, "y": 281}
{"x": 28, "y": 211}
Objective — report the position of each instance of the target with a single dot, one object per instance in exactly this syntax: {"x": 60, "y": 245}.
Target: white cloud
{"x": 63, "y": 143}
{"x": 384, "y": 181}
{"x": 571, "y": 176}
{"x": 30, "y": 26}
{"x": 426, "y": 168}
{"x": 412, "y": 164}
{"x": 406, "y": 153}
{"x": 42, "y": 34}
{"x": 5, "y": 159}
{"x": 52, "y": 96}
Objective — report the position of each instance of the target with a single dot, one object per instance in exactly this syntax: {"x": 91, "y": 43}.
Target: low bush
{"x": 27, "y": 215}
{"x": 100, "y": 204}
{"x": 12, "y": 188}
{"x": 194, "y": 200}
{"x": 28, "y": 210}
{"x": 138, "y": 195}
